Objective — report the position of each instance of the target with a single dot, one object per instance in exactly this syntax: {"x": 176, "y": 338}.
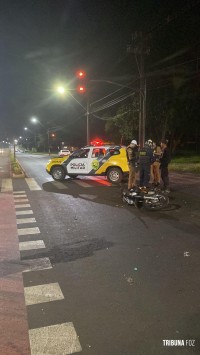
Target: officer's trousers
{"x": 165, "y": 176}
{"x": 144, "y": 174}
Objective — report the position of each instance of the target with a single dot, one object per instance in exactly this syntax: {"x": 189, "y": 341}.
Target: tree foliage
{"x": 124, "y": 125}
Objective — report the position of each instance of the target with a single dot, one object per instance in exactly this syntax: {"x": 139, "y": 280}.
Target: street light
{"x": 61, "y": 90}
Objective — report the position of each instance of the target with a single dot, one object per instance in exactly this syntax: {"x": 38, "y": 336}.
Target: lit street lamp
{"x": 61, "y": 90}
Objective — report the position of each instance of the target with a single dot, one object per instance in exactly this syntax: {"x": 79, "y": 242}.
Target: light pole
{"x": 81, "y": 89}
{"x": 35, "y": 120}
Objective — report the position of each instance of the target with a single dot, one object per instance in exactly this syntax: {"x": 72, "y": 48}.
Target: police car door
{"x": 77, "y": 163}
{"x": 95, "y": 158}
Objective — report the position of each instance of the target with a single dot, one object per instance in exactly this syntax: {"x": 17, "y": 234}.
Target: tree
{"x": 124, "y": 124}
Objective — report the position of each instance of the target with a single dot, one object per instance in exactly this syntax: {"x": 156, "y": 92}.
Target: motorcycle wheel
{"x": 160, "y": 201}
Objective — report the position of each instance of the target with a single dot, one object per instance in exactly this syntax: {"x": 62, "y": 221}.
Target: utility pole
{"x": 48, "y": 140}
{"x": 88, "y": 119}
{"x": 139, "y": 49}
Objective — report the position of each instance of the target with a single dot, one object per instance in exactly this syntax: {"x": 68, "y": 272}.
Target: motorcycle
{"x": 151, "y": 199}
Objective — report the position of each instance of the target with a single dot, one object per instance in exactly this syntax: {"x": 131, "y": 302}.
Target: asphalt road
{"x": 130, "y": 278}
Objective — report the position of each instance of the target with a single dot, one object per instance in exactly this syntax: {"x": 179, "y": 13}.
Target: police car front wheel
{"x": 114, "y": 175}
{"x": 58, "y": 173}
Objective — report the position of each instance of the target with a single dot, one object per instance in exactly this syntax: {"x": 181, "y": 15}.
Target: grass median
{"x": 185, "y": 163}
{"x": 15, "y": 167}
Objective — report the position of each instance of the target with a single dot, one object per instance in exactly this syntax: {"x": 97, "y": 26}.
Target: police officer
{"x": 155, "y": 167}
{"x": 145, "y": 161}
{"x": 164, "y": 161}
{"x": 132, "y": 157}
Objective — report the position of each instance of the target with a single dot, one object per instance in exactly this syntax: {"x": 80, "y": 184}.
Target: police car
{"x": 109, "y": 161}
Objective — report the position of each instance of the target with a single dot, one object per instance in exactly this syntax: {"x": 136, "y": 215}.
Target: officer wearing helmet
{"x": 132, "y": 157}
{"x": 145, "y": 161}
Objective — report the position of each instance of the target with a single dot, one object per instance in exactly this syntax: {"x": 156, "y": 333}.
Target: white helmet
{"x": 134, "y": 142}
{"x": 149, "y": 143}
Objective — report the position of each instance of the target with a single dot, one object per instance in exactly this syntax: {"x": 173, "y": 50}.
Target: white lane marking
{"x": 20, "y": 196}
{"x": 23, "y": 205}
{"x": 25, "y": 220}
{"x": 6, "y": 185}
{"x": 82, "y": 183}
{"x": 36, "y": 264}
{"x": 32, "y": 184}
{"x": 20, "y": 200}
{"x": 43, "y": 293}
{"x": 56, "y": 339}
{"x": 27, "y": 231}
{"x": 59, "y": 185}
{"x": 33, "y": 244}
{"x": 19, "y": 192}
{"x": 18, "y": 213}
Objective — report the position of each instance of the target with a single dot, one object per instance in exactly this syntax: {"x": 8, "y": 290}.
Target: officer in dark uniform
{"x": 145, "y": 161}
{"x": 164, "y": 161}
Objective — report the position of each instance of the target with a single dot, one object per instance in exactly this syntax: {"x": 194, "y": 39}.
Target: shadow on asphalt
{"x": 110, "y": 196}
{"x": 72, "y": 251}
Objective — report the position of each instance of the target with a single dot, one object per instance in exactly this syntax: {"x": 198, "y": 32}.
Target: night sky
{"x": 45, "y": 41}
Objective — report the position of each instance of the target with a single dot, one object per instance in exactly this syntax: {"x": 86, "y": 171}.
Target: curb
{"x": 19, "y": 176}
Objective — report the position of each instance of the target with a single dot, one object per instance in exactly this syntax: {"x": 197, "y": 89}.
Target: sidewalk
{"x": 13, "y": 317}
{"x": 5, "y": 164}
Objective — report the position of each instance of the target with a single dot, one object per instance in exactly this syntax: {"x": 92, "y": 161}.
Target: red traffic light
{"x": 81, "y": 74}
{"x": 81, "y": 89}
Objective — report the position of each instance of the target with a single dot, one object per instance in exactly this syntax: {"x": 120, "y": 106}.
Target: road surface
{"x": 100, "y": 277}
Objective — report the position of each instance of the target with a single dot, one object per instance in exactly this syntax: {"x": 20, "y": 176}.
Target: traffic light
{"x": 81, "y": 87}
{"x": 81, "y": 74}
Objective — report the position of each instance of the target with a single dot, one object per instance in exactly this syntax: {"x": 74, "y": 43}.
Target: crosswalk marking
{"x": 32, "y": 184}
{"x": 19, "y": 192}
{"x": 6, "y": 185}
{"x": 25, "y": 220}
{"x": 56, "y": 339}
{"x": 59, "y": 185}
{"x": 21, "y": 200}
{"x": 20, "y": 196}
{"x": 36, "y": 264}
{"x": 82, "y": 183}
{"x": 33, "y": 244}
{"x": 23, "y": 205}
{"x": 19, "y": 213}
{"x": 27, "y": 231}
{"x": 43, "y": 293}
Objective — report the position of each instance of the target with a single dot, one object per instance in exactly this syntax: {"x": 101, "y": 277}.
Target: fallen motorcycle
{"x": 150, "y": 199}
